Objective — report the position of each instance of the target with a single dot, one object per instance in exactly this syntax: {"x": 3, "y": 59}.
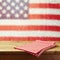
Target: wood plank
{"x": 7, "y": 52}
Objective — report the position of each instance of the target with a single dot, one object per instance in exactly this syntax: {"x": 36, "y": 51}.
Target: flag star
{"x": 13, "y": 4}
{"x": 0, "y": 15}
{"x": 25, "y": 0}
{"x": 8, "y": 1}
{"x": 26, "y": 7}
{"x": 17, "y": 0}
{"x": 12, "y": 11}
{"x": 17, "y": 7}
{"x": 21, "y": 11}
{"x": 4, "y": 3}
{"x": 0, "y": 7}
{"x": 25, "y": 15}
{"x": 0, "y": 0}
{"x": 4, "y": 11}
{"x": 7, "y": 15}
{"x": 21, "y": 4}
{"x": 8, "y": 7}
{"x": 16, "y": 15}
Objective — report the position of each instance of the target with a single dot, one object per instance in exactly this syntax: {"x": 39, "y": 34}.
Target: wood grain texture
{"x": 7, "y": 52}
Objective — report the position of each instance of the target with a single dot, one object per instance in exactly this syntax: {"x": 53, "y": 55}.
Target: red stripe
{"x": 29, "y": 38}
{"x": 31, "y": 27}
{"x": 44, "y": 5}
{"x": 44, "y": 16}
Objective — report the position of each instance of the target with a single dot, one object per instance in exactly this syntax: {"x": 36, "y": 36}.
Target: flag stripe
{"x": 30, "y": 33}
{"x": 26, "y": 28}
{"x": 44, "y": 5}
{"x": 45, "y": 11}
{"x": 29, "y": 38}
{"x": 44, "y": 1}
{"x": 29, "y": 22}
{"x": 44, "y": 16}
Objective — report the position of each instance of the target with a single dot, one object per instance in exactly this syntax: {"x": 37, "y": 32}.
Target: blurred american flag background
{"x": 30, "y": 20}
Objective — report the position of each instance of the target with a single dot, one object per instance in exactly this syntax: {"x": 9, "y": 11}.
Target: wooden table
{"x": 7, "y": 52}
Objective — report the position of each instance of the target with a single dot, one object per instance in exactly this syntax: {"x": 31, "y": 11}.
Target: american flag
{"x": 30, "y": 20}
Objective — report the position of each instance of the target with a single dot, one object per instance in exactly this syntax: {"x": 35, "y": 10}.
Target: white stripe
{"x": 44, "y": 11}
{"x": 30, "y": 22}
{"x": 29, "y": 34}
{"x": 44, "y": 1}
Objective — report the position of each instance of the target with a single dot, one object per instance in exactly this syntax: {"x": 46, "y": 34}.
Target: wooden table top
{"x": 8, "y": 46}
